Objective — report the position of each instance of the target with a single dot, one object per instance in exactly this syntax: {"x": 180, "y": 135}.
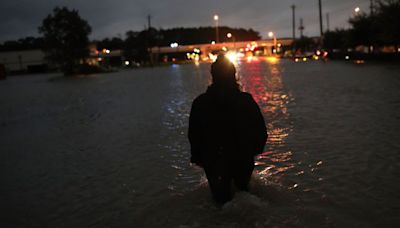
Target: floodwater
{"x": 111, "y": 150}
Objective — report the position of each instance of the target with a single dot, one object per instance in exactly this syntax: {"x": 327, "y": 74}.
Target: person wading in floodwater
{"x": 226, "y": 131}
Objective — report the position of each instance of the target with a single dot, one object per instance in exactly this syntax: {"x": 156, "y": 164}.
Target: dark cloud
{"x": 108, "y": 18}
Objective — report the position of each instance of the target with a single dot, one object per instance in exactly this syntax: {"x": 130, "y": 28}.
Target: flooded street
{"x": 111, "y": 150}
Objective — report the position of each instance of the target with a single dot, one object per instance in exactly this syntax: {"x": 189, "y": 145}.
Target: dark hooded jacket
{"x": 226, "y": 128}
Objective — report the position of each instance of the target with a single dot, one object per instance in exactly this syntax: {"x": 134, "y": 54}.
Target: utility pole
{"x": 293, "y": 22}
{"x": 301, "y": 28}
{"x": 148, "y": 44}
{"x": 216, "y": 19}
{"x": 149, "y": 21}
{"x": 371, "y": 7}
{"x": 320, "y": 18}
{"x": 327, "y": 22}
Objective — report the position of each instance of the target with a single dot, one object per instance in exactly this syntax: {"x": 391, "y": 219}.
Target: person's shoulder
{"x": 246, "y": 100}
{"x": 200, "y": 99}
{"x": 245, "y": 95}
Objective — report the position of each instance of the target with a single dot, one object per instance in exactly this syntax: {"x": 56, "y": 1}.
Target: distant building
{"x": 24, "y": 61}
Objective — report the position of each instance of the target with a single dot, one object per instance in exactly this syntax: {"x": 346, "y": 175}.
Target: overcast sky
{"x": 108, "y": 18}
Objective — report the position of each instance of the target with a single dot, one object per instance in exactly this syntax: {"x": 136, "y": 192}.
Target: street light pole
{"x": 293, "y": 22}
{"x": 272, "y": 35}
{"x": 229, "y": 35}
{"x": 371, "y": 7}
{"x": 320, "y": 18}
{"x": 216, "y": 18}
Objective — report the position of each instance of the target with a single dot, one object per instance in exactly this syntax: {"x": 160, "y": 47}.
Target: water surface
{"x": 111, "y": 150}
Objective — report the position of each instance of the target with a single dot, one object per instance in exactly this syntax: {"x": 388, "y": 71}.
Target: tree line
{"x": 377, "y": 29}
{"x": 64, "y": 39}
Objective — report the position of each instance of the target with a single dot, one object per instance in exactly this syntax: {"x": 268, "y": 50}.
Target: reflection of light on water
{"x": 277, "y": 135}
{"x": 263, "y": 79}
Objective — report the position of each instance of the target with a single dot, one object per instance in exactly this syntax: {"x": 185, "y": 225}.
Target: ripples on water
{"x": 112, "y": 151}
{"x": 299, "y": 180}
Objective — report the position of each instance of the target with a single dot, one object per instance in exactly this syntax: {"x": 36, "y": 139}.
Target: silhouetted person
{"x": 226, "y": 131}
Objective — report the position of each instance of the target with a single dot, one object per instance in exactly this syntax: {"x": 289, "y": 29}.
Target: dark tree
{"x": 27, "y": 43}
{"x": 112, "y": 44}
{"x": 338, "y": 39}
{"x": 137, "y": 44}
{"x": 388, "y": 19}
{"x": 204, "y": 35}
{"x": 66, "y": 40}
{"x": 304, "y": 44}
{"x": 131, "y": 46}
{"x": 365, "y": 30}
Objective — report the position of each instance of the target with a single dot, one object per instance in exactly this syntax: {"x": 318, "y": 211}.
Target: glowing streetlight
{"x": 216, "y": 19}
{"x": 357, "y": 10}
{"x": 174, "y": 45}
{"x": 229, "y": 35}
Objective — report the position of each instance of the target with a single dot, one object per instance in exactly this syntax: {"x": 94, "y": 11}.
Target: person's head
{"x": 224, "y": 73}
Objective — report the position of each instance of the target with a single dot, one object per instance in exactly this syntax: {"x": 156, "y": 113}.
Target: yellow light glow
{"x": 273, "y": 59}
{"x": 229, "y": 35}
{"x": 240, "y": 55}
{"x": 304, "y": 59}
{"x": 216, "y": 17}
{"x": 231, "y": 56}
{"x": 126, "y": 63}
{"x": 224, "y": 49}
{"x": 296, "y": 60}
{"x": 271, "y": 34}
{"x": 213, "y": 42}
{"x": 212, "y": 57}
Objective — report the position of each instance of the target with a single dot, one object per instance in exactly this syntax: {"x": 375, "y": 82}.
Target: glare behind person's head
{"x": 223, "y": 72}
